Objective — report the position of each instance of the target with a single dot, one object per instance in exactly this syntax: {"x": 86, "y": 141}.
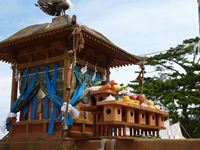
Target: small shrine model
{"x": 62, "y": 71}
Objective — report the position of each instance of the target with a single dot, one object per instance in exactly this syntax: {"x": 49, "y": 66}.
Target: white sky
{"x": 140, "y": 27}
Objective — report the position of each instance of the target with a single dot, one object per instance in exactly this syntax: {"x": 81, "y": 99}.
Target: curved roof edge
{"x": 60, "y": 23}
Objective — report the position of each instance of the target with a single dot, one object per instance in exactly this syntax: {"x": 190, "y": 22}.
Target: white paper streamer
{"x": 95, "y": 73}
{"x": 84, "y": 69}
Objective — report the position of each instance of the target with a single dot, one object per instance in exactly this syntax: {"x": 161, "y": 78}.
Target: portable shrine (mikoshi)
{"x": 62, "y": 72}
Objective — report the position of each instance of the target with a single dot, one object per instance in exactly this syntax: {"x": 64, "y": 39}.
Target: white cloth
{"x": 171, "y": 131}
{"x": 74, "y": 111}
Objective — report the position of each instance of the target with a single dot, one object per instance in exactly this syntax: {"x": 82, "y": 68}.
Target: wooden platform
{"x": 136, "y": 144}
{"x": 122, "y": 104}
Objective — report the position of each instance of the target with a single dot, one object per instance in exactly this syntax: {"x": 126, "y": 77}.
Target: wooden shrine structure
{"x": 54, "y": 43}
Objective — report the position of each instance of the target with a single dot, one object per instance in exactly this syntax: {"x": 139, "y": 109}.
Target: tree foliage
{"x": 176, "y": 84}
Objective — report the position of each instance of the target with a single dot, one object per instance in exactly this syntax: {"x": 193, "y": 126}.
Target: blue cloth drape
{"x": 46, "y": 108}
{"x": 28, "y": 92}
{"x": 50, "y": 89}
{"x": 26, "y": 111}
{"x": 77, "y": 93}
{"x": 33, "y": 110}
{"x": 14, "y": 105}
{"x": 80, "y": 87}
{"x": 52, "y": 120}
{"x": 57, "y": 103}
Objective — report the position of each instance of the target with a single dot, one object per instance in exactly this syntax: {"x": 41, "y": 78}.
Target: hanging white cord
{"x": 44, "y": 72}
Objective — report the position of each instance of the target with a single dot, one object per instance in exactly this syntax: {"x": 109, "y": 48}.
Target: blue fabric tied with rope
{"x": 77, "y": 93}
{"x": 59, "y": 101}
{"x": 51, "y": 89}
{"x": 28, "y": 92}
{"x": 14, "y": 105}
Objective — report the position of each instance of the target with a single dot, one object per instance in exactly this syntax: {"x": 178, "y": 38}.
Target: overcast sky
{"x": 138, "y": 26}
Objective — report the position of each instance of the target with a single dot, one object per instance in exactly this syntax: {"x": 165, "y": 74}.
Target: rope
{"x": 43, "y": 72}
{"x": 157, "y": 52}
{"x": 78, "y": 45}
{"x": 185, "y": 130}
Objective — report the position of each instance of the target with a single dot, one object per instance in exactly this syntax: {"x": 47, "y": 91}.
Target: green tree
{"x": 177, "y": 84}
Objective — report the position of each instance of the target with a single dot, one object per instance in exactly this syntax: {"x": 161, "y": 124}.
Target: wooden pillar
{"x": 14, "y": 86}
{"x": 115, "y": 131}
{"x": 65, "y": 74}
{"x": 119, "y": 131}
{"x": 124, "y": 131}
{"x": 131, "y": 131}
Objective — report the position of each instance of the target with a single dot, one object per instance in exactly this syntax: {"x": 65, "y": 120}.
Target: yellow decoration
{"x": 157, "y": 107}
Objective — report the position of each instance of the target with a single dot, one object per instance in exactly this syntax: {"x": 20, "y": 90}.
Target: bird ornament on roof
{"x": 54, "y": 7}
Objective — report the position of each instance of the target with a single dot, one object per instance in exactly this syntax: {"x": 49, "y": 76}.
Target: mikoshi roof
{"x": 35, "y": 32}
